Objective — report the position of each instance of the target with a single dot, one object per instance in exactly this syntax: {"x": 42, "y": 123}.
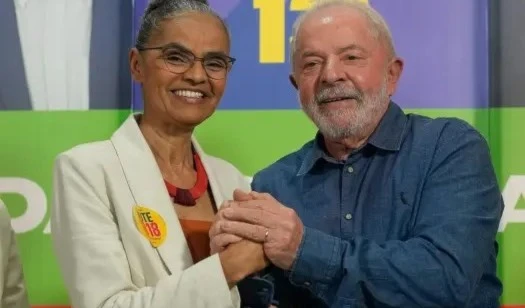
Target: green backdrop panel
{"x": 249, "y": 139}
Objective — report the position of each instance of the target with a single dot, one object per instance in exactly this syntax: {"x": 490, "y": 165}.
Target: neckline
{"x": 188, "y": 197}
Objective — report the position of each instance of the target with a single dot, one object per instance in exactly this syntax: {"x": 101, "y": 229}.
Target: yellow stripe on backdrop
{"x": 272, "y": 21}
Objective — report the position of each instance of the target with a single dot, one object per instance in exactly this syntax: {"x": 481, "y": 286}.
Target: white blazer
{"x": 104, "y": 259}
{"x": 13, "y": 292}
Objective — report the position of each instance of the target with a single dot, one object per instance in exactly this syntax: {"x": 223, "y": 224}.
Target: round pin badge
{"x": 150, "y": 224}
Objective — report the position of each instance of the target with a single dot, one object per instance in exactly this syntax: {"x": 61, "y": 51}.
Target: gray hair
{"x": 378, "y": 26}
{"x": 160, "y": 10}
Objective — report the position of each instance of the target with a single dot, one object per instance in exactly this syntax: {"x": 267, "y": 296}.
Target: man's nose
{"x": 332, "y": 72}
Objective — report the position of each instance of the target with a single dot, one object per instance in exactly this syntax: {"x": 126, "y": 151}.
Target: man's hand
{"x": 262, "y": 219}
{"x": 219, "y": 241}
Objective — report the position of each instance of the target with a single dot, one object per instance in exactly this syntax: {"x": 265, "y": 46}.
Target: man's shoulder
{"x": 430, "y": 142}
{"x": 441, "y": 129}
{"x": 285, "y": 166}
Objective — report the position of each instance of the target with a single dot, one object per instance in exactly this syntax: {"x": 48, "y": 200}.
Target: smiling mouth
{"x": 336, "y": 99}
{"x": 189, "y": 93}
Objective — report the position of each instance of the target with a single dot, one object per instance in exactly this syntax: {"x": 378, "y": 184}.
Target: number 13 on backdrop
{"x": 272, "y": 31}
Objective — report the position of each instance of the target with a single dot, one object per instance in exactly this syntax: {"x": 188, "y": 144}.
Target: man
{"x": 65, "y": 54}
{"x": 13, "y": 292}
{"x": 381, "y": 209}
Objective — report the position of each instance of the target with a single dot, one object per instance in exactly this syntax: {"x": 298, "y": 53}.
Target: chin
{"x": 190, "y": 118}
{"x": 337, "y": 120}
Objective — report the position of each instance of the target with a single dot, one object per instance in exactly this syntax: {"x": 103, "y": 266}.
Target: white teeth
{"x": 188, "y": 93}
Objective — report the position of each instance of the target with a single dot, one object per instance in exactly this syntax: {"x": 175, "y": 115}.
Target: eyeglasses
{"x": 178, "y": 60}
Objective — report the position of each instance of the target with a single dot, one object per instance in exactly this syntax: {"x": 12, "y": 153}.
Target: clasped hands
{"x": 260, "y": 218}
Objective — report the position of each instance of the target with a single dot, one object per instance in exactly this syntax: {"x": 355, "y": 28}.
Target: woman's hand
{"x": 242, "y": 259}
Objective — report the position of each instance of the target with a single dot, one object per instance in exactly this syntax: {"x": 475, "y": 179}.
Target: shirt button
{"x": 348, "y": 216}
{"x": 350, "y": 169}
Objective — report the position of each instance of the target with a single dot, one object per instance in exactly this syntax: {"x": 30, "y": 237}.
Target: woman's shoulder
{"x": 88, "y": 154}
{"x": 221, "y": 165}
{"x": 224, "y": 169}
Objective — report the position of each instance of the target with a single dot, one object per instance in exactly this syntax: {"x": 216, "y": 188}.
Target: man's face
{"x": 344, "y": 75}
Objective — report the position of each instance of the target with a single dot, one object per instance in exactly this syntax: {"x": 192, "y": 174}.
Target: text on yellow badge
{"x": 150, "y": 224}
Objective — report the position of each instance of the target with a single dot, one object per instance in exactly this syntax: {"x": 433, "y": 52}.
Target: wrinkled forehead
{"x": 335, "y": 23}
{"x": 194, "y": 30}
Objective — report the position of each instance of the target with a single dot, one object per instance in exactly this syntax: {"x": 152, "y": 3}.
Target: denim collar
{"x": 387, "y": 136}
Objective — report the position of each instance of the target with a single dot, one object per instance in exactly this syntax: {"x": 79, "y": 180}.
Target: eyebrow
{"x": 309, "y": 53}
{"x": 350, "y": 47}
{"x": 187, "y": 50}
{"x": 340, "y": 50}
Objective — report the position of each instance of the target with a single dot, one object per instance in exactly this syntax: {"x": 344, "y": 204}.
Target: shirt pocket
{"x": 404, "y": 206}
{"x": 388, "y": 217}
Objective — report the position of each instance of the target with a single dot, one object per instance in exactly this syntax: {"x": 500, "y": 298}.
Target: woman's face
{"x": 183, "y": 69}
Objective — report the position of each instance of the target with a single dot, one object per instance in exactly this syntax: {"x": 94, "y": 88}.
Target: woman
{"x": 13, "y": 292}
{"x": 131, "y": 214}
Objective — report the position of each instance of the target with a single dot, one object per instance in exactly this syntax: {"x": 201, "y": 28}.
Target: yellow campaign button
{"x": 150, "y": 224}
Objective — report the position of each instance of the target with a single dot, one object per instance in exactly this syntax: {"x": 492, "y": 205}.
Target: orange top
{"x": 196, "y": 233}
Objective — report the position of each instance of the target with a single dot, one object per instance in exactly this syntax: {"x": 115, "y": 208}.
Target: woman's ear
{"x": 136, "y": 63}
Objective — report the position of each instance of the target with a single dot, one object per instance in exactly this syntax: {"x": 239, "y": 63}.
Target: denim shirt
{"x": 408, "y": 220}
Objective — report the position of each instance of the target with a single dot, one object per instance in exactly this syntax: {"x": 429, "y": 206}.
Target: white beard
{"x": 345, "y": 123}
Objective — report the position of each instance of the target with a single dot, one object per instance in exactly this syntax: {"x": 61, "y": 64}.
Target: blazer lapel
{"x": 14, "y": 92}
{"x": 147, "y": 187}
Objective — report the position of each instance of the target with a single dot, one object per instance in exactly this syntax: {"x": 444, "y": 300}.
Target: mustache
{"x": 326, "y": 95}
